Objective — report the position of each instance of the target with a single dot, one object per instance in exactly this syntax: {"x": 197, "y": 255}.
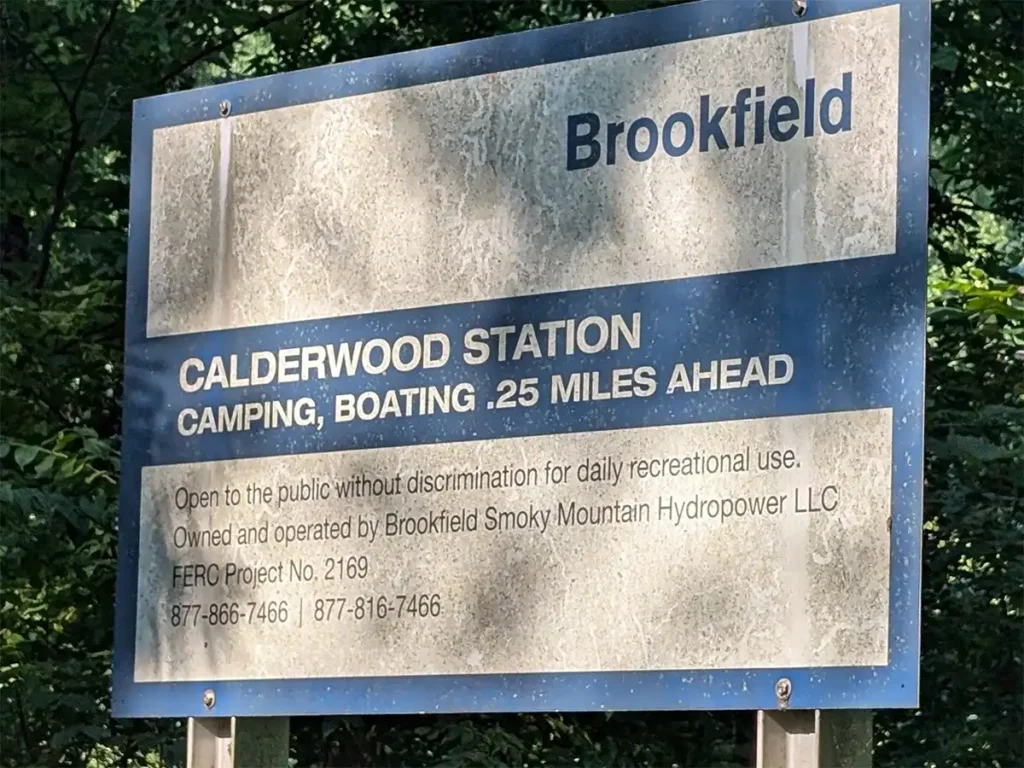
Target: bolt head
{"x": 225, "y": 108}
{"x": 209, "y": 698}
{"x": 783, "y": 688}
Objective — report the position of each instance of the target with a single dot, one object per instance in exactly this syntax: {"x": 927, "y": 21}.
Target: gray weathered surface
{"x": 814, "y": 739}
{"x": 787, "y": 590}
{"x": 327, "y": 209}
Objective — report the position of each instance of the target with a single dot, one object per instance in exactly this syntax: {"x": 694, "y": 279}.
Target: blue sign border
{"x": 892, "y": 686}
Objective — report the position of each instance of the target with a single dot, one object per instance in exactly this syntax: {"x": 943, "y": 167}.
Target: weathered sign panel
{"x": 578, "y": 369}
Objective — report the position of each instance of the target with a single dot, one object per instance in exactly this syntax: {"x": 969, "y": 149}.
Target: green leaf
{"x": 945, "y": 58}
{"x": 977, "y": 448}
{"x": 25, "y": 454}
{"x": 63, "y": 738}
{"x": 11, "y": 639}
{"x": 943, "y": 314}
{"x": 45, "y": 465}
{"x": 95, "y": 732}
{"x": 64, "y": 440}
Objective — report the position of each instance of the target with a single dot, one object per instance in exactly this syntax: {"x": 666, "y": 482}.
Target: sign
{"x": 573, "y": 370}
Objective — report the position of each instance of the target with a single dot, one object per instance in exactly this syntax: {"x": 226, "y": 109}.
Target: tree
{"x": 70, "y": 70}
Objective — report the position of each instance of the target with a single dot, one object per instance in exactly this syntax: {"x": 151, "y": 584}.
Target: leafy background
{"x": 70, "y": 70}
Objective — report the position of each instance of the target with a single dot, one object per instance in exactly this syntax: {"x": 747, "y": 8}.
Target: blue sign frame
{"x": 890, "y": 289}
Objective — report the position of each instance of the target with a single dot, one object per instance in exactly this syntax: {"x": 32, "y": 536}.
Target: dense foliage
{"x": 71, "y": 69}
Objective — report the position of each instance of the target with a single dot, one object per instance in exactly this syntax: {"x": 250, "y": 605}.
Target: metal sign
{"x": 571, "y": 370}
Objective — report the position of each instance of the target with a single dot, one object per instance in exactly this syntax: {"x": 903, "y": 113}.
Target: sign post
{"x": 225, "y": 742}
{"x": 579, "y": 369}
{"x": 814, "y": 739}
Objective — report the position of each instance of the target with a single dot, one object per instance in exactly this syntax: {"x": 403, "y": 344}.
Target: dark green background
{"x": 70, "y": 70}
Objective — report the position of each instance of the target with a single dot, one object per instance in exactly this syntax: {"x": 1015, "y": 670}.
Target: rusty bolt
{"x": 783, "y": 690}
{"x": 225, "y": 108}
{"x": 209, "y": 698}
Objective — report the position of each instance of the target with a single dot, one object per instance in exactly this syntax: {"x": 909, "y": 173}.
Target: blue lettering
{"x": 710, "y": 126}
{"x": 575, "y": 140}
{"x": 809, "y": 107}
{"x": 677, "y": 150}
{"x": 759, "y": 115}
{"x": 785, "y": 110}
{"x": 845, "y": 96}
{"x": 614, "y": 131}
{"x": 780, "y": 120}
{"x": 740, "y": 109}
{"x": 652, "y": 139}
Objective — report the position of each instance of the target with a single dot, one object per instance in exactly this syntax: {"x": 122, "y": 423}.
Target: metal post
{"x": 847, "y": 738}
{"x": 814, "y": 739}
{"x": 209, "y": 742}
{"x": 244, "y": 742}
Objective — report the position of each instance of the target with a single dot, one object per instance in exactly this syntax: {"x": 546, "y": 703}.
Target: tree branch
{"x": 59, "y": 201}
{"x": 222, "y": 44}
{"x": 53, "y": 79}
{"x": 23, "y": 725}
{"x": 68, "y": 162}
{"x": 95, "y": 53}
